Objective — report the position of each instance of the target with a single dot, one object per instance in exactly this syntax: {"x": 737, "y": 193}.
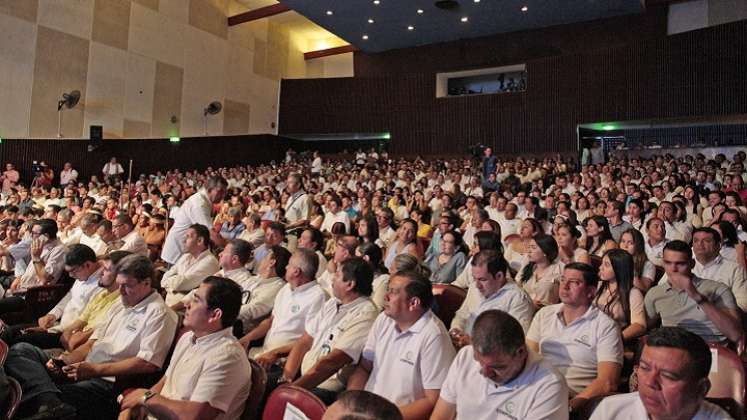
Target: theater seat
{"x": 8, "y": 408}
{"x": 39, "y": 301}
{"x": 3, "y": 352}
{"x": 596, "y": 261}
{"x": 448, "y": 300}
{"x": 259, "y": 383}
{"x": 309, "y": 404}
{"x": 727, "y": 382}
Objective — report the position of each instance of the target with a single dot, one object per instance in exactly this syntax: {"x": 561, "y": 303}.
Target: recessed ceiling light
{"x": 524, "y": 9}
{"x": 464, "y": 19}
{"x": 329, "y": 13}
{"x": 370, "y": 21}
{"x": 376, "y": 2}
{"x": 410, "y": 28}
{"x": 477, "y": 1}
{"x": 365, "y": 37}
{"x": 420, "y": 11}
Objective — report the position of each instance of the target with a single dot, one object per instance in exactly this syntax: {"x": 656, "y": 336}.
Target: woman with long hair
{"x": 617, "y": 297}
{"x": 540, "y": 276}
{"x": 517, "y": 250}
{"x": 404, "y": 243}
{"x": 635, "y": 213}
{"x": 372, "y": 254}
{"x": 729, "y": 240}
{"x": 644, "y": 271}
{"x": 368, "y": 231}
{"x": 598, "y": 236}
{"x": 446, "y": 266}
{"x": 566, "y": 235}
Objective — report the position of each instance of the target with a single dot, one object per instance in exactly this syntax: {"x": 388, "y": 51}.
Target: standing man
{"x": 112, "y": 171}
{"x": 196, "y": 209}
{"x": 10, "y": 178}
{"x": 68, "y": 174}
{"x": 297, "y": 206}
{"x": 488, "y": 163}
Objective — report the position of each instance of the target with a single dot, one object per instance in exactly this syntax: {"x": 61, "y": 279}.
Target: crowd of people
{"x": 580, "y": 281}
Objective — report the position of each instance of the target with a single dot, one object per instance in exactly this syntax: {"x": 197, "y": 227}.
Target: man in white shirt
{"x": 496, "y": 292}
{"x": 254, "y": 234}
{"x": 580, "y": 340}
{"x": 335, "y": 336}
{"x": 129, "y": 239}
{"x": 672, "y": 381}
{"x": 510, "y": 223}
{"x": 499, "y": 377}
{"x": 675, "y": 229}
{"x": 195, "y": 210}
{"x": 68, "y": 174}
{"x": 192, "y": 268}
{"x": 134, "y": 341}
{"x": 297, "y": 206}
{"x": 712, "y": 266}
{"x": 299, "y": 300}
{"x": 260, "y": 290}
{"x": 80, "y": 262}
{"x": 209, "y": 376}
{"x": 408, "y": 350}
{"x": 344, "y": 250}
{"x": 335, "y": 214}
{"x": 112, "y": 171}
{"x": 362, "y": 405}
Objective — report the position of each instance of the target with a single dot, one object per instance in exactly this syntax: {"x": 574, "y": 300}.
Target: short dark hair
{"x": 493, "y": 259}
{"x": 278, "y": 227}
{"x": 138, "y": 266}
{"x": 679, "y": 338}
{"x": 241, "y": 249}
{"x": 202, "y": 233}
{"x": 48, "y": 227}
{"x": 590, "y": 274}
{"x": 364, "y": 405}
{"x": 679, "y": 246}
{"x": 496, "y": 331}
{"x": 79, "y": 254}
{"x": 115, "y": 256}
{"x": 358, "y": 270}
{"x": 125, "y": 220}
{"x": 316, "y": 237}
{"x": 281, "y": 256}
{"x": 418, "y": 286}
{"x": 709, "y": 230}
{"x": 224, "y": 294}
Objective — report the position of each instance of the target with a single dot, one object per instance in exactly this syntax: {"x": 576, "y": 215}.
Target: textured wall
{"x": 137, "y": 64}
{"x": 698, "y": 73}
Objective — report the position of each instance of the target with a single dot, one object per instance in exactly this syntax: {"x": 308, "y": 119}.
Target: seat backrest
{"x": 3, "y": 352}
{"x": 309, "y": 404}
{"x": 596, "y": 261}
{"x": 8, "y": 408}
{"x": 727, "y": 381}
{"x": 41, "y": 299}
{"x": 259, "y": 383}
{"x": 448, "y": 300}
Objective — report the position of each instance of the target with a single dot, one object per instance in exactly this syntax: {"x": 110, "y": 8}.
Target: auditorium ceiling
{"x": 379, "y": 25}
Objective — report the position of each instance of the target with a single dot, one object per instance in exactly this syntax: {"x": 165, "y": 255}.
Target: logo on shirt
{"x": 584, "y": 339}
{"x": 295, "y": 308}
{"x": 507, "y": 410}
{"x": 408, "y": 358}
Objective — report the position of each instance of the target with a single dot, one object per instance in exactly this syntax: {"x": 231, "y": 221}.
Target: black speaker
{"x": 97, "y": 137}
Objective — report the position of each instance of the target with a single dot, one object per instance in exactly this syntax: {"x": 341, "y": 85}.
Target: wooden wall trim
{"x": 329, "y": 51}
{"x": 256, "y": 14}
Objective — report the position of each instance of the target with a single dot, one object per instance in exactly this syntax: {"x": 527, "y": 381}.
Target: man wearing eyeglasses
{"x": 129, "y": 239}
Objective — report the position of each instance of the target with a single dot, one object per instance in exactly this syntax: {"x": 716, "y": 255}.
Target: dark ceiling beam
{"x": 260, "y": 13}
{"x": 655, "y": 3}
{"x": 329, "y": 51}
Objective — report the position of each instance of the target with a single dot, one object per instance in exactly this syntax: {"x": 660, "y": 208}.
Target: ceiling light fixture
{"x": 420, "y": 11}
{"x": 524, "y": 9}
{"x": 465, "y": 19}
{"x": 410, "y": 28}
{"x": 370, "y": 21}
{"x": 477, "y": 1}
{"x": 329, "y": 13}
{"x": 365, "y": 37}
{"x": 376, "y": 2}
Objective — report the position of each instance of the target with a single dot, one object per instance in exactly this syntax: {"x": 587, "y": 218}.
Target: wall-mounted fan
{"x": 68, "y": 101}
{"x": 214, "y": 108}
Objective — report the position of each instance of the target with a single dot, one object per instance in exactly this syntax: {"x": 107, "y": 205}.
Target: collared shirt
{"x": 539, "y": 392}
{"x": 255, "y": 237}
{"x": 679, "y": 231}
{"x": 509, "y": 227}
{"x": 94, "y": 242}
{"x": 406, "y": 363}
{"x": 510, "y": 298}
{"x": 339, "y": 327}
{"x": 656, "y": 253}
{"x": 262, "y": 293}
{"x": 231, "y": 233}
{"x": 53, "y": 257}
{"x": 212, "y": 369}
{"x": 297, "y": 207}
{"x": 134, "y": 242}
{"x": 727, "y": 272}
{"x": 71, "y": 306}
{"x": 618, "y": 229}
{"x": 196, "y": 209}
{"x": 187, "y": 274}
{"x": 94, "y": 312}
{"x": 630, "y": 407}
{"x": 676, "y": 309}
{"x": 238, "y": 275}
{"x": 292, "y": 309}
{"x": 331, "y": 218}
{"x": 66, "y": 176}
{"x": 576, "y": 349}
{"x": 145, "y": 331}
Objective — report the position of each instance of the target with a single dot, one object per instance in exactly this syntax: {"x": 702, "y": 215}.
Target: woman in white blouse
{"x": 540, "y": 276}
{"x": 644, "y": 271}
{"x": 617, "y": 297}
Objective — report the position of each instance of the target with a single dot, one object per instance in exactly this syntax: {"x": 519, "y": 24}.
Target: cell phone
{"x": 59, "y": 363}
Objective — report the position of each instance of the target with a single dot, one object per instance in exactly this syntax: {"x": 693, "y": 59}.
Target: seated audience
{"x": 446, "y": 265}
{"x": 314, "y": 240}
{"x": 128, "y": 238}
{"x": 209, "y": 375}
{"x": 253, "y": 233}
{"x": 580, "y": 340}
{"x": 405, "y": 242}
{"x": 274, "y": 235}
{"x": 344, "y": 250}
{"x": 361, "y": 405}
{"x": 709, "y": 264}
{"x": 498, "y": 376}
{"x": 644, "y": 272}
{"x": 540, "y": 275}
{"x": 673, "y": 381}
{"x": 194, "y": 266}
{"x": 704, "y": 307}
{"x": 617, "y": 297}
{"x": 371, "y": 253}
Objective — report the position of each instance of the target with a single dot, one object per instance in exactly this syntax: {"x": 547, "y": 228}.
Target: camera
{"x": 36, "y": 167}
